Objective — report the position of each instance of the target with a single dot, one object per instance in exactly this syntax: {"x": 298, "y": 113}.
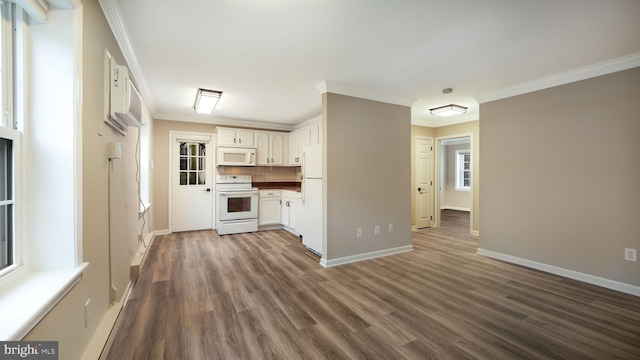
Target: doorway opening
{"x": 455, "y": 194}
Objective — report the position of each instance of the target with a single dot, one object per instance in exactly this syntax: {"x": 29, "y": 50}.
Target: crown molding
{"x": 112, "y": 13}
{"x": 341, "y": 89}
{"x": 583, "y": 73}
{"x": 308, "y": 122}
{"x": 434, "y": 123}
{"x": 218, "y": 121}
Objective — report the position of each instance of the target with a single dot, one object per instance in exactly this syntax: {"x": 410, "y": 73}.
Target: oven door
{"x": 237, "y": 205}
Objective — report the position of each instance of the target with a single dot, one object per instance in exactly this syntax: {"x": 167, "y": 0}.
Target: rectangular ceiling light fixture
{"x": 448, "y": 110}
{"x": 206, "y": 101}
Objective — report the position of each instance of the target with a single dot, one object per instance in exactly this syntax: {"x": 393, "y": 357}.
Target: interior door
{"x": 424, "y": 182}
{"x": 192, "y": 191}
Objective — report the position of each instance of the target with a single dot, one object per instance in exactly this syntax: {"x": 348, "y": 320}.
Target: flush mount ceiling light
{"x": 206, "y": 101}
{"x": 448, "y": 110}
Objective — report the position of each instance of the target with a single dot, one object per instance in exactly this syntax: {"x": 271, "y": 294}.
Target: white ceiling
{"x": 268, "y": 55}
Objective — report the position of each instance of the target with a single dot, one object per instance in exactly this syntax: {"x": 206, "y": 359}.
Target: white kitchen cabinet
{"x": 310, "y": 135}
{"x": 270, "y": 210}
{"x": 291, "y": 207}
{"x": 235, "y": 137}
{"x": 270, "y": 148}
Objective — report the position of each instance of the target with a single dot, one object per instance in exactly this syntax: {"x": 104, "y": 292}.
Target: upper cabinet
{"x": 270, "y": 148}
{"x": 235, "y": 137}
{"x": 310, "y": 135}
{"x": 273, "y": 148}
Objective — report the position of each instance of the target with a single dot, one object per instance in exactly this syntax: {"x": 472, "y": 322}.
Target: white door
{"x": 192, "y": 191}
{"x": 424, "y": 182}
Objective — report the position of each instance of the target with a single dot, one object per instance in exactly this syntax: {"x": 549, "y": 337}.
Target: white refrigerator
{"x": 310, "y": 226}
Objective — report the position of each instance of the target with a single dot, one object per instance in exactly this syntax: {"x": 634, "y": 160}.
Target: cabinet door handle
{"x": 234, "y": 140}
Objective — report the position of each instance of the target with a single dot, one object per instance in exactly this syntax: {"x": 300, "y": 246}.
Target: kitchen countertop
{"x": 293, "y": 186}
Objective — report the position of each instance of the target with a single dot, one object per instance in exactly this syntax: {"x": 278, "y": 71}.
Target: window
{"x": 463, "y": 170}
{"x": 9, "y": 150}
{"x": 192, "y": 163}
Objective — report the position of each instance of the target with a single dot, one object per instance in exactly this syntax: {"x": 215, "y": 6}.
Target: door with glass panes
{"x": 192, "y": 202}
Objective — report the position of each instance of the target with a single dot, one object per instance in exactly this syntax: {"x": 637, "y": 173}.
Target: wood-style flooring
{"x": 263, "y": 296}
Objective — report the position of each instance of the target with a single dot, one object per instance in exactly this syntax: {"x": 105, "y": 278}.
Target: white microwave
{"x": 230, "y": 156}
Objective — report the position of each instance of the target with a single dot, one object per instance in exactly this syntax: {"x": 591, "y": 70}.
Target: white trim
{"x": 78, "y": 15}
{"x": 365, "y": 256}
{"x": 36, "y": 9}
{"x": 439, "y": 121}
{"x": 35, "y": 295}
{"x": 437, "y": 199}
{"x": 590, "y": 279}
{"x": 112, "y": 13}
{"x": 457, "y": 208}
{"x": 216, "y": 121}
{"x": 475, "y": 233}
{"x": 308, "y": 122}
{"x": 583, "y": 73}
{"x": 162, "y": 232}
{"x": 102, "y": 340}
{"x": 337, "y": 88}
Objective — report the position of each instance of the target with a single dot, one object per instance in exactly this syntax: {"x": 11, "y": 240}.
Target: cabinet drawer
{"x": 270, "y": 193}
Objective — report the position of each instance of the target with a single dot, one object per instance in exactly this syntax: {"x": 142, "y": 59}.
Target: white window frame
{"x": 460, "y": 154}
{"x": 44, "y": 276}
{"x": 8, "y": 130}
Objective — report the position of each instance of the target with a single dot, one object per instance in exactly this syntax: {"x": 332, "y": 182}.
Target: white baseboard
{"x": 475, "y": 233}
{"x": 591, "y": 279}
{"x": 162, "y": 232}
{"x": 102, "y": 340}
{"x": 366, "y": 256}
{"x": 458, "y": 208}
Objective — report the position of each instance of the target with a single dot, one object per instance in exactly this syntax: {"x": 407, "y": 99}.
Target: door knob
{"x": 207, "y": 190}
{"x": 419, "y": 189}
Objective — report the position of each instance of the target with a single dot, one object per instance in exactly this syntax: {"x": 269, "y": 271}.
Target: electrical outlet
{"x": 358, "y": 232}
{"x": 630, "y": 254}
{"x": 390, "y": 227}
{"x": 87, "y": 313}
{"x": 376, "y": 230}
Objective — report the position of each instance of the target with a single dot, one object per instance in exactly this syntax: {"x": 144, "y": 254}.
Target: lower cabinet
{"x": 270, "y": 210}
{"x": 280, "y": 207}
{"x": 291, "y": 206}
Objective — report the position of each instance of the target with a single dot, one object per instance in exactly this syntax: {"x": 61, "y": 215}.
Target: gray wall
{"x": 560, "y": 176}
{"x": 367, "y": 174}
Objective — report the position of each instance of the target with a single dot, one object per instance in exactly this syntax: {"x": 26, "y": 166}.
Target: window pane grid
{"x": 192, "y": 163}
{"x": 463, "y": 169}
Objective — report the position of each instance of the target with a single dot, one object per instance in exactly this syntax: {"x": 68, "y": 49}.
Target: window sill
{"x": 28, "y": 300}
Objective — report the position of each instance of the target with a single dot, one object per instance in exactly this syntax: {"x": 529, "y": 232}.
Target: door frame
{"x": 416, "y": 175}
{"x": 192, "y": 135}
{"x": 438, "y": 174}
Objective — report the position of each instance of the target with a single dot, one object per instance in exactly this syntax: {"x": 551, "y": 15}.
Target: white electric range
{"x": 237, "y": 204}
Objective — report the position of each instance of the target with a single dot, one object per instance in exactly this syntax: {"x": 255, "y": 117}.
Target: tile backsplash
{"x": 264, "y": 173}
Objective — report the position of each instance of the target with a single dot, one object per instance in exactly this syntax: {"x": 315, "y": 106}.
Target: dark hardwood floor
{"x": 263, "y": 296}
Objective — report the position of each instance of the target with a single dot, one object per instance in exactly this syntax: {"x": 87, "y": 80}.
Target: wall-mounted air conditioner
{"x": 125, "y": 107}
